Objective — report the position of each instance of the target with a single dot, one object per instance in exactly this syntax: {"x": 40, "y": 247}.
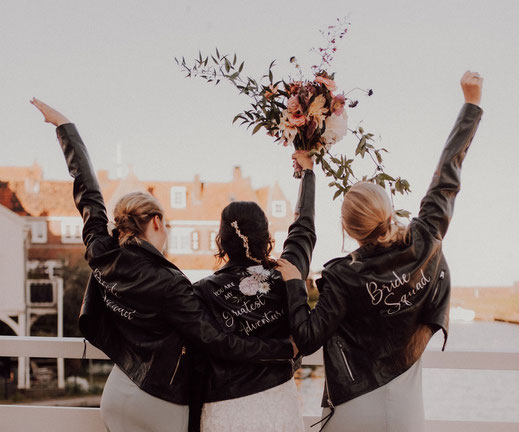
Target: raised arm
{"x": 186, "y": 313}
{"x": 300, "y": 242}
{"x": 312, "y": 328}
{"x": 437, "y": 207}
{"x": 87, "y": 193}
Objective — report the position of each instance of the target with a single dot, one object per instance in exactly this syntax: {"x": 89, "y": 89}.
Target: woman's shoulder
{"x": 340, "y": 265}
{"x": 151, "y": 265}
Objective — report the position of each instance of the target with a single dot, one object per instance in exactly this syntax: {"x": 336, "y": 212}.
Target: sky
{"x": 109, "y": 67}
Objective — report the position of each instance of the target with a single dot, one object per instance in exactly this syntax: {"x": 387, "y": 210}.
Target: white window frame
{"x": 178, "y": 197}
{"x": 38, "y": 231}
{"x": 212, "y": 240}
{"x": 71, "y": 230}
{"x": 180, "y": 240}
{"x": 281, "y": 211}
{"x": 195, "y": 240}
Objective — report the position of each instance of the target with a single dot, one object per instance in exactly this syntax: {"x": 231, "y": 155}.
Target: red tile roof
{"x": 205, "y": 201}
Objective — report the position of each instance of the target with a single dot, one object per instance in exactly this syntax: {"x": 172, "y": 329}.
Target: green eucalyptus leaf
{"x": 257, "y": 128}
{"x": 403, "y": 213}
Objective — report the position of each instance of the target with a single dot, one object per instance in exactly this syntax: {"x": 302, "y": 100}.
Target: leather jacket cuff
{"x": 65, "y": 129}
{"x": 471, "y": 110}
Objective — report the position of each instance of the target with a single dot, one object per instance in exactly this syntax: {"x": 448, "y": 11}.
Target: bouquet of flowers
{"x": 309, "y": 114}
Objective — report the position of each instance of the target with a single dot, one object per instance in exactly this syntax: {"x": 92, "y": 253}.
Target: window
{"x": 38, "y": 231}
{"x": 178, "y": 197}
{"x": 180, "y": 240}
{"x": 195, "y": 240}
{"x": 41, "y": 293}
{"x": 212, "y": 240}
{"x": 279, "y": 239}
{"x": 71, "y": 230}
{"x": 279, "y": 208}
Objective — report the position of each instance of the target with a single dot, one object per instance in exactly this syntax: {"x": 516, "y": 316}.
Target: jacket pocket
{"x": 345, "y": 359}
{"x": 182, "y": 353}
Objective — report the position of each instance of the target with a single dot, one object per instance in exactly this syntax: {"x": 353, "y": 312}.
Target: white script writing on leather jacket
{"x": 385, "y": 293}
{"x": 110, "y": 289}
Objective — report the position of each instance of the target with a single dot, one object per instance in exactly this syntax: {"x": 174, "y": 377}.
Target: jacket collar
{"x": 148, "y": 247}
{"x": 236, "y": 263}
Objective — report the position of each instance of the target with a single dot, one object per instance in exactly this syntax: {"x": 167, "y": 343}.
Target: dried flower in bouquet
{"x": 309, "y": 114}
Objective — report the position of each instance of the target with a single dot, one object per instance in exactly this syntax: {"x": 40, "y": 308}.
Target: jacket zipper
{"x": 183, "y": 352}
{"x": 341, "y": 346}
{"x": 329, "y": 400}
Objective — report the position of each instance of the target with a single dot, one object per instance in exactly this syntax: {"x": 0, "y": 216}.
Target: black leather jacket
{"x": 262, "y": 314}
{"x": 371, "y": 307}
{"x": 138, "y": 307}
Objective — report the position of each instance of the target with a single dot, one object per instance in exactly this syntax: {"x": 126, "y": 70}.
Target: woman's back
{"x": 246, "y": 300}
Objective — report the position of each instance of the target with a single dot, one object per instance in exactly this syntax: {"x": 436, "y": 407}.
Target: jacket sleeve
{"x": 312, "y": 328}
{"x": 87, "y": 193}
{"x": 300, "y": 242}
{"x": 437, "y": 206}
{"x": 184, "y": 311}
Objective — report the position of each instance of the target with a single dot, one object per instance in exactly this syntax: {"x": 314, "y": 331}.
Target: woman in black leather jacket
{"x": 139, "y": 308}
{"x": 379, "y": 306}
{"x": 247, "y": 297}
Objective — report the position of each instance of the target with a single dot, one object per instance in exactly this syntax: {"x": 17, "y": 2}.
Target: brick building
{"x": 192, "y": 209}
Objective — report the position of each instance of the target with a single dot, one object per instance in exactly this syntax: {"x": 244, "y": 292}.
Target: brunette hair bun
{"x": 253, "y": 224}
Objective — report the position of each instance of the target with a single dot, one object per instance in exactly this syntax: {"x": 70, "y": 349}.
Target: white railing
{"x": 60, "y": 419}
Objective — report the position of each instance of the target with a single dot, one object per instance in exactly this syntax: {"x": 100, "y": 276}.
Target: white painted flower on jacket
{"x": 257, "y": 282}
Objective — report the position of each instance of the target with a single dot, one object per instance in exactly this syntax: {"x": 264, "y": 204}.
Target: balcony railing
{"x": 60, "y": 419}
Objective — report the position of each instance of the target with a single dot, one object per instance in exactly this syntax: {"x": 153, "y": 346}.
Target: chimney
{"x": 236, "y": 176}
{"x": 32, "y": 181}
{"x": 36, "y": 172}
{"x": 198, "y": 188}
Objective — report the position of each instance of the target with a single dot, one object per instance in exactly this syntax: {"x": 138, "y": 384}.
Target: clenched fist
{"x": 472, "y": 85}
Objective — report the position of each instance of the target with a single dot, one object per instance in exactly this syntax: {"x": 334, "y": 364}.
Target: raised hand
{"x": 50, "y": 114}
{"x": 302, "y": 160}
{"x": 472, "y": 85}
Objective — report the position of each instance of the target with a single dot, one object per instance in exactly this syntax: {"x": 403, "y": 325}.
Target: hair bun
{"x": 132, "y": 214}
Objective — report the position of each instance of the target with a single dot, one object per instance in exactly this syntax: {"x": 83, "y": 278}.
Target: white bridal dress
{"x": 277, "y": 409}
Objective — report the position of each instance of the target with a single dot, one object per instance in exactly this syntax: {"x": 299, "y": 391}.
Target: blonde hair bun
{"x": 132, "y": 213}
{"x": 368, "y": 216}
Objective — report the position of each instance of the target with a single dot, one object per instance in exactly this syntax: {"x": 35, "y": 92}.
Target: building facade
{"x": 192, "y": 209}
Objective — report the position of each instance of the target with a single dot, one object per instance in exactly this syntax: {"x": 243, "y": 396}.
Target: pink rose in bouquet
{"x": 329, "y": 83}
{"x": 297, "y": 120}
{"x": 337, "y": 105}
{"x": 294, "y": 106}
